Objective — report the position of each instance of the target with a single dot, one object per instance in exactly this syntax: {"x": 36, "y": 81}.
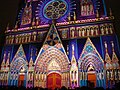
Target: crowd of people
{"x": 115, "y": 87}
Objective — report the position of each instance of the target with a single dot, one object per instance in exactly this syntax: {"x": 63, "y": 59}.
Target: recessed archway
{"x": 52, "y": 60}
{"x": 18, "y": 72}
{"x": 50, "y": 54}
{"x": 91, "y": 68}
{"x": 21, "y": 80}
{"x": 91, "y": 76}
{"x": 91, "y": 79}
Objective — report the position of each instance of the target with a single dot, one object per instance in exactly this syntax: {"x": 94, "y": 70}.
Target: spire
{"x": 73, "y": 49}
{"x": 114, "y": 56}
{"x": 73, "y": 56}
{"x": 74, "y": 16}
{"x": 3, "y": 62}
{"x": 112, "y": 46}
{"x": 69, "y": 17}
{"x": 73, "y": 69}
{"x": 107, "y": 57}
{"x": 8, "y": 59}
{"x": 31, "y": 60}
{"x": 105, "y": 46}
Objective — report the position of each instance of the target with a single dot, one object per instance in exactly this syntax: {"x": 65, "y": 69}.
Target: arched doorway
{"x": 91, "y": 61}
{"x": 91, "y": 77}
{"x": 49, "y": 62}
{"x": 21, "y": 77}
{"x": 90, "y": 67}
{"x": 19, "y": 72}
{"x": 21, "y": 80}
{"x": 53, "y": 81}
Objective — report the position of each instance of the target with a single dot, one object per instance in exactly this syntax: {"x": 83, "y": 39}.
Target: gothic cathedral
{"x": 58, "y": 43}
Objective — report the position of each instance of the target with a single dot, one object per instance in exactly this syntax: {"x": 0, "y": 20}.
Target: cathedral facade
{"x": 58, "y": 43}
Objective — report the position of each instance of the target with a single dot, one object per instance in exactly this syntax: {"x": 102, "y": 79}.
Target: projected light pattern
{"x": 59, "y": 43}
{"x": 53, "y": 9}
{"x": 89, "y": 48}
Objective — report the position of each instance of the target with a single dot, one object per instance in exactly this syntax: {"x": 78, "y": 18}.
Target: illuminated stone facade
{"x": 61, "y": 43}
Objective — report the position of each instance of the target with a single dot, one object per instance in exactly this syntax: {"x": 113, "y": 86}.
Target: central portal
{"x": 21, "y": 80}
{"x": 54, "y": 81}
{"x": 91, "y": 79}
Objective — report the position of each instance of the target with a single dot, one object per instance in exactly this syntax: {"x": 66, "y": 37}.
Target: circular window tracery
{"x": 55, "y": 9}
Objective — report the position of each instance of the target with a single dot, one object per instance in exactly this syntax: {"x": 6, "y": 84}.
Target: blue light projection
{"x": 89, "y": 48}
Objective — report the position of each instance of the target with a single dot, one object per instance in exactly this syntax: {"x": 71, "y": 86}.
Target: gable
{"x": 19, "y": 54}
{"x": 52, "y": 40}
{"x": 89, "y": 48}
{"x": 52, "y": 36}
{"x": 52, "y": 46}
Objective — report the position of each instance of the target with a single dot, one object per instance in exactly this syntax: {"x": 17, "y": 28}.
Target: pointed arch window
{"x": 87, "y": 8}
{"x": 27, "y": 15}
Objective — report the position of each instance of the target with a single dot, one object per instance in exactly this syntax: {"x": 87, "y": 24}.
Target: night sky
{"x": 9, "y": 10}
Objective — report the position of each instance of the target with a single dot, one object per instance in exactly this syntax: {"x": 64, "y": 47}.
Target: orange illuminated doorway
{"x": 91, "y": 79}
{"x": 54, "y": 81}
{"x": 21, "y": 80}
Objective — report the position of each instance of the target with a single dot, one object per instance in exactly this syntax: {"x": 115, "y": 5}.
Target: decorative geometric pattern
{"x": 55, "y": 9}
{"x": 73, "y": 70}
{"x": 115, "y": 60}
{"x": 18, "y": 64}
{"x": 90, "y": 56}
{"x": 89, "y": 48}
{"x": 31, "y": 62}
{"x": 53, "y": 65}
{"x": 64, "y": 33}
{"x": 19, "y": 60}
{"x": 51, "y": 54}
{"x": 74, "y": 27}
{"x": 52, "y": 50}
{"x": 52, "y": 37}
{"x": 74, "y": 64}
{"x": 3, "y": 62}
{"x": 107, "y": 58}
